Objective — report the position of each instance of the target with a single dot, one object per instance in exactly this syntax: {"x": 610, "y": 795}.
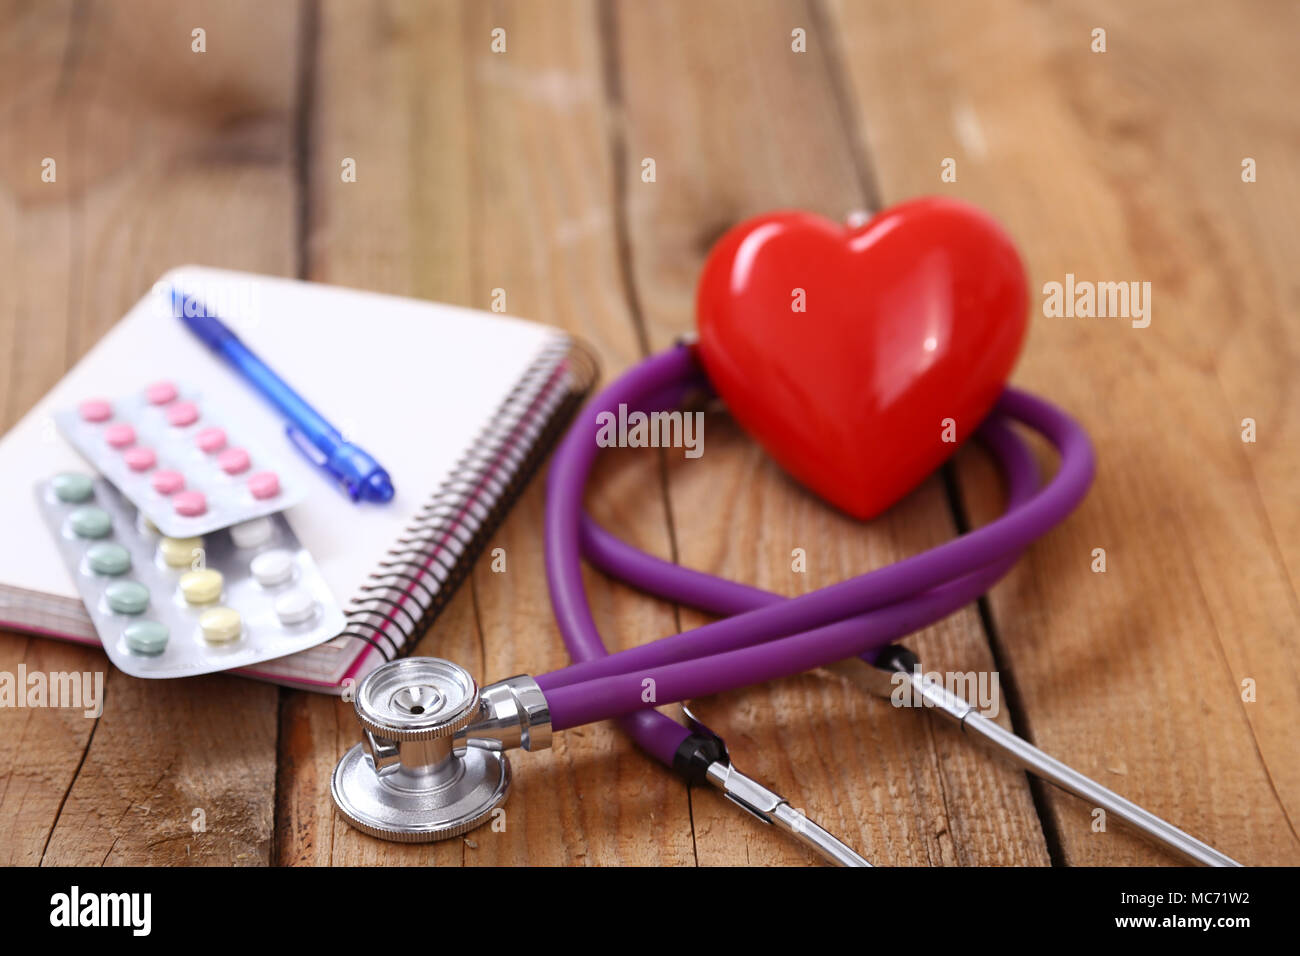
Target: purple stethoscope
{"x": 432, "y": 762}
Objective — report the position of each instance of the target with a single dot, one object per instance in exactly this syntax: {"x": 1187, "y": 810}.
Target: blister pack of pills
{"x": 186, "y": 470}
{"x": 175, "y": 607}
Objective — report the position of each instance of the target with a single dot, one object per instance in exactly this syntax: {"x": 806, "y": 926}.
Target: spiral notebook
{"x": 460, "y": 406}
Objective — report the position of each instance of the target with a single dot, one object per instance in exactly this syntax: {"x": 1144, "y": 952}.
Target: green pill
{"x": 145, "y": 637}
{"x": 90, "y": 522}
{"x": 108, "y": 558}
{"x": 72, "y": 487}
{"x": 127, "y": 597}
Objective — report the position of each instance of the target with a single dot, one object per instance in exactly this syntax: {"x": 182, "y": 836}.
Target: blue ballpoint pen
{"x": 320, "y": 441}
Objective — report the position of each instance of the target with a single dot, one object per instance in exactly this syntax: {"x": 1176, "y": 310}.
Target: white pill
{"x": 272, "y": 568}
{"x": 296, "y": 606}
{"x": 251, "y": 534}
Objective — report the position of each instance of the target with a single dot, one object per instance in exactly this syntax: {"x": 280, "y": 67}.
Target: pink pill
{"x": 167, "y": 482}
{"x": 211, "y": 439}
{"x": 182, "y": 414}
{"x": 96, "y": 410}
{"x": 264, "y": 484}
{"x": 233, "y": 461}
{"x": 160, "y": 393}
{"x": 190, "y": 503}
{"x": 120, "y": 435}
{"x": 140, "y": 458}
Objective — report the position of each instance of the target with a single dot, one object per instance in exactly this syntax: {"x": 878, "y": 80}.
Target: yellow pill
{"x": 220, "y": 625}
{"x": 179, "y": 552}
{"x": 201, "y": 587}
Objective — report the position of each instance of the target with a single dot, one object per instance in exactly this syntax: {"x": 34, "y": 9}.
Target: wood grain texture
{"x": 1126, "y": 165}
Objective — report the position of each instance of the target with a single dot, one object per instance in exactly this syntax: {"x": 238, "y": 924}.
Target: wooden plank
{"x": 738, "y": 123}
{"x": 1125, "y": 166}
{"x": 34, "y": 332}
{"x": 486, "y": 171}
{"x": 163, "y": 156}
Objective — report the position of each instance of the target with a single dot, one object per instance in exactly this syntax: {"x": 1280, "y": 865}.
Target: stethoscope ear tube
{"x": 903, "y": 665}
{"x": 703, "y": 759}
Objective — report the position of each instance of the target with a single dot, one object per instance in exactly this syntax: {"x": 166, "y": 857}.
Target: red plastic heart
{"x": 860, "y": 358}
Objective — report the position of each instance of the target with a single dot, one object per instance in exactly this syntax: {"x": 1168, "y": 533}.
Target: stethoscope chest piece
{"x": 411, "y": 779}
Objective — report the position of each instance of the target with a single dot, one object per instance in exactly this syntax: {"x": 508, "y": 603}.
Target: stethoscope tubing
{"x": 723, "y": 597}
{"x": 769, "y": 636}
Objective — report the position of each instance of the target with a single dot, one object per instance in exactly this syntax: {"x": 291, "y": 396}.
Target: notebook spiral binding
{"x": 439, "y": 547}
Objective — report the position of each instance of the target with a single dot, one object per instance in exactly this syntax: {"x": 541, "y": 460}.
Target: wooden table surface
{"x": 522, "y": 171}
